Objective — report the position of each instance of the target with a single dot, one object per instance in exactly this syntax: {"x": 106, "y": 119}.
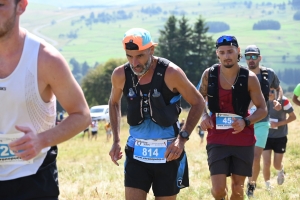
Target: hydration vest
{"x": 160, "y": 109}
{"x": 240, "y": 94}
{"x": 264, "y": 83}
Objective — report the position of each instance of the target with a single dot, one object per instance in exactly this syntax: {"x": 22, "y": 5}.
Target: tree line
{"x": 188, "y": 46}
{"x": 289, "y": 76}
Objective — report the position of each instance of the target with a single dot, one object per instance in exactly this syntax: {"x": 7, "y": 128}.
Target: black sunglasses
{"x": 254, "y": 57}
{"x": 272, "y": 91}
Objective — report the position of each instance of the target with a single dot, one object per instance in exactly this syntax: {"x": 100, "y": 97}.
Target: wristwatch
{"x": 247, "y": 121}
{"x": 184, "y": 135}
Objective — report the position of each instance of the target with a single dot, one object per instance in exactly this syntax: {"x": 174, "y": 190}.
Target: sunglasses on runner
{"x": 272, "y": 91}
{"x": 254, "y": 57}
{"x": 226, "y": 40}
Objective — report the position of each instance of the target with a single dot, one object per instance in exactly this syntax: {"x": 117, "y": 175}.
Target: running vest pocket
{"x": 134, "y": 103}
{"x": 162, "y": 114}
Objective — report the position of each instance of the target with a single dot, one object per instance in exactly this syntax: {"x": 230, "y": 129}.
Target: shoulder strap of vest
{"x": 244, "y": 72}
{"x": 159, "y": 73}
{"x": 212, "y": 88}
{"x": 264, "y": 72}
{"x": 264, "y": 83}
{"x": 213, "y": 70}
{"x": 129, "y": 78}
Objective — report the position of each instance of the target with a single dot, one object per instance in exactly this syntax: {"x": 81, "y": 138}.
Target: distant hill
{"x": 91, "y": 31}
{"x": 77, "y": 3}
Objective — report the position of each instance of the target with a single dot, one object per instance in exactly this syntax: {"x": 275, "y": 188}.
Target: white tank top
{"x": 21, "y": 104}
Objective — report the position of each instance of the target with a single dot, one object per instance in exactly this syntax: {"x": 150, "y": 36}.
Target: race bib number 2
{"x": 7, "y": 156}
{"x": 150, "y": 151}
{"x": 224, "y": 120}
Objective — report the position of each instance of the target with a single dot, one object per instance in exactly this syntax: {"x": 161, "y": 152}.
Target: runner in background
{"x": 267, "y": 78}
{"x": 277, "y": 138}
{"x": 296, "y": 95}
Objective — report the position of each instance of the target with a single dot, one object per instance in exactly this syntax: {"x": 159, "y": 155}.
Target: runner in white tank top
{"x": 32, "y": 75}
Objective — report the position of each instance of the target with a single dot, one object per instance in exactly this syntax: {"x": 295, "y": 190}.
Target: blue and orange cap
{"x": 137, "y": 39}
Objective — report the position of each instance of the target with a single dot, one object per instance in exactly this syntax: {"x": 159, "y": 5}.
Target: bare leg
{"x": 135, "y": 194}
{"x": 166, "y": 198}
{"x": 278, "y": 161}
{"x": 267, "y": 164}
{"x": 237, "y": 187}
{"x": 218, "y": 189}
{"x": 256, "y": 164}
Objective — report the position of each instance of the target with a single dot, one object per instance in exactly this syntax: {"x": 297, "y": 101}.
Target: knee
{"x": 277, "y": 166}
{"x": 237, "y": 189}
{"x": 218, "y": 192}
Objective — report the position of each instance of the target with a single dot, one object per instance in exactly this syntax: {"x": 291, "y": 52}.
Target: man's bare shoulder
{"x": 252, "y": 79}
{"x": 50, "y": 57}
{"x": 206, "y": 71}
{"x": 118, "y": 77}
{"x": 174, "y": 70}
{"x": 252, "y": 75}
{"x": 119, "y": 72}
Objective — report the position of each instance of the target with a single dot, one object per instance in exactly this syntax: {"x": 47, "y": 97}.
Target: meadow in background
{"x": 78, "y": 32}
{"x": 86, "y": 171}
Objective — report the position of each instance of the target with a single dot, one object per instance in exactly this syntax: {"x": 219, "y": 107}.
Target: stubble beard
{"x": 252, "y": 67}
{"x": 145, "y": 67}
{"x": 8, "y": 26}
{"x": 228, "y": 66}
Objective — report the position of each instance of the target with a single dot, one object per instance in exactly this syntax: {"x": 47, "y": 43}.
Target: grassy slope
{"x": 86, "y": 171}
{"x": 103, "y": 41}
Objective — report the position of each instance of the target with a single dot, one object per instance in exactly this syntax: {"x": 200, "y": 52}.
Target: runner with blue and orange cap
{"x": 155, "y": 155}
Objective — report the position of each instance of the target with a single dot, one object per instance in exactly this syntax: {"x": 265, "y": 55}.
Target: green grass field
{"x": 87, "y": 173}
{"x": 101, "y": 42}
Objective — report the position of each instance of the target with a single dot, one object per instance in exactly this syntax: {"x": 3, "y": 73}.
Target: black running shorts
{"x": 223, "y": 159}
{"x": 166, "y": 179}
{"x": 40, "y": 186}
{"x": 278, "y": 145}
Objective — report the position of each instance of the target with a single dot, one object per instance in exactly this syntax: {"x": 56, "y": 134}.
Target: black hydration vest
{"x": 240, "y": 94}
{"x": 160, "y": 109}
{"x": 264, "y": 83}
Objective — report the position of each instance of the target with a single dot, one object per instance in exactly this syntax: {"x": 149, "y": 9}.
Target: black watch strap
{"x": 247, "y": 122}
{"x": 184, "y": 135}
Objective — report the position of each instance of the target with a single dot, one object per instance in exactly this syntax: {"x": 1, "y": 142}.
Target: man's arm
{"x": 257, "y": 99}
{"x": 177, "y": 81}
{"x": 206, "y": 122}
{"x": 290, "y": 118}
{"x": 55, "y": 78}
{"x": 279, "y": 92}
{"x": 296, "y": 100}
{"x": 276, "y": 103}
{"x": 296, "y": 95}
{"x": 118, "y": 81}
{"x": 203, "y": 87}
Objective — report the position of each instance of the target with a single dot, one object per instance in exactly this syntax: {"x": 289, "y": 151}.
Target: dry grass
{"x": 86, "y": 172}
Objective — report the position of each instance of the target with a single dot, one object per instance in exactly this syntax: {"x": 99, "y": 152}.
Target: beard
{"x": 228, "y": 66}
{"x": 8, "y": 25}
{"x": 253, "y": 65}
{"x": 145, "y": 67}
